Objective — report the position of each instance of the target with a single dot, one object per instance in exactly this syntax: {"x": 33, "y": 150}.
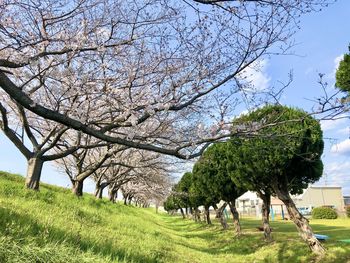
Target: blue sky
{"x": 322, "y": 39}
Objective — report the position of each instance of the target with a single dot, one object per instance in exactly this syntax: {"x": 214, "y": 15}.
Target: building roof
{"x": 248, "y": 196}
{"x": 324, "y": 186}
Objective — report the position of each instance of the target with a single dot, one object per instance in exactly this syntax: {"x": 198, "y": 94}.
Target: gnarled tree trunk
{"x": 220, "y": 213}
{"x": 98, "y": 192}
{"x": 266, "y": 198}
{"x": 99, "y": 189}
{"x": 196, "y": 214}
{"x": 35, "y": 166}
{"x": 301, "y": 222}
{"x": 112, "y": 194}
{"x": 77, "y": 188}
{"x": 235, "y": 216}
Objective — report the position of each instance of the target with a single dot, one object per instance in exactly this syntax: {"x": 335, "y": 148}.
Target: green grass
{"x": 54, "y": 226}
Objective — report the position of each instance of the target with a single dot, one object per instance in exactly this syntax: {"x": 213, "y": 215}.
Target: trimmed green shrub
{"x": 348, "y": 211}
{"x": 324, "y": 213}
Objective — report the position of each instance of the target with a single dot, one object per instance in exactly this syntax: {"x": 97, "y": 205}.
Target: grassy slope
{"x": 54, "y": 226}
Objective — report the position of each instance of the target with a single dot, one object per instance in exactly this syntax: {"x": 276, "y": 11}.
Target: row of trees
{"x": 81, "y": 156}
{"x": 278, "y": 159}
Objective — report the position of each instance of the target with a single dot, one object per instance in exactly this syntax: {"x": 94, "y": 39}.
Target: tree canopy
{"x": 285, "y": 149}
{"x": 211, "y": 171}
{"x": 143, "y": 69}
{"x": 343, "y": 74}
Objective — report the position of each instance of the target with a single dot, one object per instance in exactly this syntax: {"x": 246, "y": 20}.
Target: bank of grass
{"x": 54, "y": 226}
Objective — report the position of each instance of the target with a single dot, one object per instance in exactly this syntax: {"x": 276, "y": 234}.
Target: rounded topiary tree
{"x": 342, "y": 75}
{"x": 284, "y": 149}
{"x": 183, "y": 189}
{"x": 210, "y": 173}
{"x": 324, "y": 213}
{"x": 248, "y": 173}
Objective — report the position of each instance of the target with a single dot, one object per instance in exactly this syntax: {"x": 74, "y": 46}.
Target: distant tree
{"x": 183, "y": 187}
{"x": 286, "y": 152}
{"x": 211, "y": 173}
{"x": 343, "y": 74}
{"x": 202, "y": 195}
{"x": 174, "y": 203}
{"x": 169, "y": 204}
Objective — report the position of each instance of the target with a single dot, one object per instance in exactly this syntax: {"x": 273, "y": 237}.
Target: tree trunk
{"x": 182, "y": 213}
{"x": 217, "y": 214}
{"x": 235, "y": 216}
{"x": 99, "y": 189}
{"x": 301, "y": 222}
{"x": 77, "y": 188}
{"x": 265, "y": 215}
{"x": 207, "y": 215}
{"x": 196, "y": 214}
{"x": 112, "y": 195}
{"x": 98, "y": 192}
{"x": 221, "y": 215}
{"x": 35, "y": 166}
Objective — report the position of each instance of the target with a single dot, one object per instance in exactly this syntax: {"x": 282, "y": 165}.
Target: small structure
{"x": 316, "y": 196}
{"x": 249, "y": 204}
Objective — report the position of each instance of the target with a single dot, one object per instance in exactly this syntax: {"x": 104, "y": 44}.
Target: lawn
{"x": 54, "y": 226}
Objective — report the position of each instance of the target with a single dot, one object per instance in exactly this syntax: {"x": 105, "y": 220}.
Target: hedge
{"x": 348, "y": 211}
{"x": 324, "y": 213}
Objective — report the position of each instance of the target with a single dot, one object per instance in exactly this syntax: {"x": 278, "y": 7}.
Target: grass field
{"x": 54, "y": 226}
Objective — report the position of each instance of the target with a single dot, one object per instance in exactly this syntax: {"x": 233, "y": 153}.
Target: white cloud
{"x": 344, "y": 131}
{"x": 337, "y": 173}
{"x": 342, "y": 148}
{"x": 336, "y": 63}
{"x": 328, "y": 125}
{"x": 331, "y": 75}
{"x": 256, "y": 76}
{"x": 337, "y": 124}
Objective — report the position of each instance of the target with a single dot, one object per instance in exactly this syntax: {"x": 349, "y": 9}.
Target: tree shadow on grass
{"x": 26, "y": 228}
{"x": 212, "y": 239}
{"x": 244, "y": 245}
{"x": 289, "y": 246}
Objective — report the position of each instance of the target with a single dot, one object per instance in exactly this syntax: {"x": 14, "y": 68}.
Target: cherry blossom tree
{"x": 85, "y": 161}
{"x": 160, "y": 75}
{"x": 126, "y": 166}
{"x": 38, "y": 139}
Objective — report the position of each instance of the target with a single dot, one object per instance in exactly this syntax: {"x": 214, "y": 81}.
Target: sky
{"x": 320, "y": 43}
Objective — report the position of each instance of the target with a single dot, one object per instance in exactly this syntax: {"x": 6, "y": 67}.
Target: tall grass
{"x": 54, "y": 226}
